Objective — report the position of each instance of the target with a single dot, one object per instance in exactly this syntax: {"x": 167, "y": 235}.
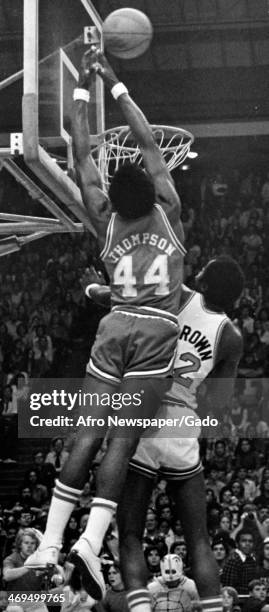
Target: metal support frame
{"x": 34, "y": 228}
{"x": 12, "y": 244}
{"x": 37, "y": 194}
{"x": 26, "y": 227}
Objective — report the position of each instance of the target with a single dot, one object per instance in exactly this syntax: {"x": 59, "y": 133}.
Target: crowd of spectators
{"x": 47, "y": 325}
{"x": 230, "y": 215}
{"x": 45, "y": 318}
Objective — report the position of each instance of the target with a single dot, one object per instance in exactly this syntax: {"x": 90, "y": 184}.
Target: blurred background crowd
{"x": 47, "y": 327}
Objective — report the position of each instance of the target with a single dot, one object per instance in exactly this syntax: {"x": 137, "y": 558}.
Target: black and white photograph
{"x": 134, "y": 306}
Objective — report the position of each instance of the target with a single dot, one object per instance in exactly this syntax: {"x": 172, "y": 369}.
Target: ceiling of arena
{"x": 208, "y": 59}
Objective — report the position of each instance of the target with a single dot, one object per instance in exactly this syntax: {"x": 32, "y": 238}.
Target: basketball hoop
{"x": 117, "y": 145}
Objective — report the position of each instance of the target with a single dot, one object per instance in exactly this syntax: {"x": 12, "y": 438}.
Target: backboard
{"x": 60, "y": 47}
{"x": 53, "y": 46}
{"x": 36, "y": 124}
{"x": 57, "y": 45}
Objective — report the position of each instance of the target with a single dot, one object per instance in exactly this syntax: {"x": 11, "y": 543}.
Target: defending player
{"x": 135, "y": 344}
{"x": 209, "y": 347}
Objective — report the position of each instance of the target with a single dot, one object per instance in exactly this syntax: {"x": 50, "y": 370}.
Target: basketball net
{"x": 117, "y": 146}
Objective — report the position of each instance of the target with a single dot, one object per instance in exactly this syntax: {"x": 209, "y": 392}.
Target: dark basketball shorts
{"x": 140, "y": 343}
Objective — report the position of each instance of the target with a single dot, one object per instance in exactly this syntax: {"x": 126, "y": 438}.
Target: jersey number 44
{"x": 156, "y": 274}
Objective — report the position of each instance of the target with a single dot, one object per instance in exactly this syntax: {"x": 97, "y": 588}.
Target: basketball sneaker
{"x": 43, "y": 559}
{"x": 89, "y": 566}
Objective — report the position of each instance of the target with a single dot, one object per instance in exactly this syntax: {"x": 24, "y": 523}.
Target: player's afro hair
{"x": 224, "y": 281}
{"x": 131, "y": 192}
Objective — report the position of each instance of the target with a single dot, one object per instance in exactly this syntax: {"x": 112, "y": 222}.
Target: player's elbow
{"x": 7, "y": 575}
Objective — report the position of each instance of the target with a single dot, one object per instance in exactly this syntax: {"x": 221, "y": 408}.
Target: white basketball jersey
{"x": 200, "y": 330}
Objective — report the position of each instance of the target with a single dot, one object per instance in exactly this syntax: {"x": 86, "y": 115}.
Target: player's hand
{"x": 102, "y": 67}
{"x": 87, "y": 73}
{"x": 90, "y": 276}
{"x": 57, "y": 579}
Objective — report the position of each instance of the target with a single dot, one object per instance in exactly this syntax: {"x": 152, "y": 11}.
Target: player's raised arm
{"x": 152, "y": 157}
{"x": 90, "y": 183}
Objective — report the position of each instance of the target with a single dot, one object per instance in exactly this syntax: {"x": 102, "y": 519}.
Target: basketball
{"x": 127, "y": 33}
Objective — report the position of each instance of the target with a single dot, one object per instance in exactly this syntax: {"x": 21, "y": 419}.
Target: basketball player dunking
{"x": 209, "y": 348}
{"x": 140, "y": 234}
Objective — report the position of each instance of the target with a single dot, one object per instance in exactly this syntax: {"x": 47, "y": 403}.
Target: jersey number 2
{"x": 157, "y": 274}
{"x": 193, "y": 366}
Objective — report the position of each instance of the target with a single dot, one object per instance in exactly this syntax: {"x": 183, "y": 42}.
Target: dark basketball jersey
{"x": 144, "y": 260}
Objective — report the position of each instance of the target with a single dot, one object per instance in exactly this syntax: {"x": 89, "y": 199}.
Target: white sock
{"x": 63, "y": 501}
{"x": 102, "y": 512}
{"x": 139, "y": 600}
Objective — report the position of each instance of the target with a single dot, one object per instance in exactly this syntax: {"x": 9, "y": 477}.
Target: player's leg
{"x": 146, "y": 379}
{"x": 74, "y": 474}
{"x": 132, "y": 511}
{"x": 124, "y": 439}
{"x": 112, "y": 473}
{"x": 104, "y": 376}
{"x": 147, "y": 358}
{"x": 189, "y": 497}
